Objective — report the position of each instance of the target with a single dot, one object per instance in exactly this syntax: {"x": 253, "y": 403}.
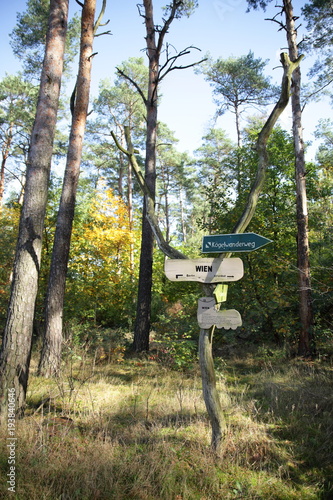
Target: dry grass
{"x": 137, "y": 431}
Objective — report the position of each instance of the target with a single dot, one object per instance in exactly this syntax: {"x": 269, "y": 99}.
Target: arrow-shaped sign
{"x": 242, "y": 242}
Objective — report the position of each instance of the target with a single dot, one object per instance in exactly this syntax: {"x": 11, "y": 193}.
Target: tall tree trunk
{"x": 50, "y": 360}
{"x": 129, "y": 193}
{"x": 16, "y": 346}
{"x": 306, "y": 341}
{"x": 2, "y": 179}
{"x": 142, "y": 321}
{"x": 154, "y": 49}
{"x": 130, "y": 213}
{"x": 5, "y": 154}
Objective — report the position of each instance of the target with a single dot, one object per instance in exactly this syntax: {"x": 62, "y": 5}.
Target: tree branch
{"x": 252, "y": 201}
{"x": 171, "y": 60}
{"x": 14, "y": 175}
{"x": 282, "y": 26}
{"x": 167, "y": 249}
{"x": 307, "y": 97}
{"x": 181, "y": 67}
{"x": 175, "y": 5}
{"x": 104, "y": 33}
{"x": 138, "y": 88}
{"x": 100, "y": 17}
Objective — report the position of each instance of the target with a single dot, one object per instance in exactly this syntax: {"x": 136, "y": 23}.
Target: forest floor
{"x": 131, "y": 429}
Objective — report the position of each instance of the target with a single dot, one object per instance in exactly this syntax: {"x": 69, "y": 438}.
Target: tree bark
{"x": 210, "y": 393}
{"x": 16, "y": 346}
{"x": 50, "y": 361}
{"x": 306, "y": 341}
{"x": 143, "y": 310}
{"x": 208, "y": 378}
{"x": 5, "y": 154}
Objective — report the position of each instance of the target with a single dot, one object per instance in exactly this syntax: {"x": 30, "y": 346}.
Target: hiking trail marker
{"x": 236, "y": 242}
{"x": 216, "y": 270}
{"x": 208, "y": 315}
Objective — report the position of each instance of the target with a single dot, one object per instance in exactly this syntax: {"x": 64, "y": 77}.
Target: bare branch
{"x": 72, "y": 99}
{"x": 170, "y": 60}
{"x": 106, "y": 23}
{"x": 282, "y": 26}
{"x": 175, "y": 5}
{"x": 93, "y": 55}
{"x": 319, "y": 90}
{"x": 181, "y": 67}
{"x": 139, "y": 6}
{"x": 14, "y": 175}
{"x": 104, "y": 33}
{"x": 100, "y": 17}
{"x": 138, "y": 88}
{"x": 308, "y": 97}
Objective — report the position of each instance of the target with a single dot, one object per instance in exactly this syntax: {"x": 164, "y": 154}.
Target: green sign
{"x": 242, "y": 242}
{"x": 220, "y": 293}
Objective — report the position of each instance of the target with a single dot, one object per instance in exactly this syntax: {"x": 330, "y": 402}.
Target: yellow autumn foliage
{"x": 100, "y": 274}
{"x": 102, "y": 244}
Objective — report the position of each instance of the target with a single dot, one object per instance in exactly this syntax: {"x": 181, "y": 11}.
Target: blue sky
{"x": 221, "y": 27}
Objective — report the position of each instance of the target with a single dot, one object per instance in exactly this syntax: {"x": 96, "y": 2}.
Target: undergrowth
{"x": 135, "y": 430}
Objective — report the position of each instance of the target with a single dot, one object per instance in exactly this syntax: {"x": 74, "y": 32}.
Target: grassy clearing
{"x": 135, "y": 430}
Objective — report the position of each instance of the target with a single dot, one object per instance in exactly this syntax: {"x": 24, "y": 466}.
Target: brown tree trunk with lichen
{"x": 16, "y": 346}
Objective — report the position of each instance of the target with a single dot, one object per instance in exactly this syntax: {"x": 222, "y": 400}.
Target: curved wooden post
{"x": 208, "y": 377}
{"x": 210, "y": 393}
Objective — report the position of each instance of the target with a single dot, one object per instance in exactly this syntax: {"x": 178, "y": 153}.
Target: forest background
{"x": 203, "y": 181}
{"x": 199, "y": 140}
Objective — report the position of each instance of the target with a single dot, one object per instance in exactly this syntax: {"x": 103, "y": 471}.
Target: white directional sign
{"x": 204, "y": 270}
{"x": 208, "y": 315}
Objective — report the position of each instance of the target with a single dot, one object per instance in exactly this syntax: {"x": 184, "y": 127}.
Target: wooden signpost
{"x": 218, "y": 270}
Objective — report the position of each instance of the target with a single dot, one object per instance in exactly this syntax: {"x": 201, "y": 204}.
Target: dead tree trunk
{"x": 143, "y": 310}
{"x": 306, "y": 341}
{"x": 5, "y": 154}
{"x": 155, "y": 42}
{"x": 16, "y": 346}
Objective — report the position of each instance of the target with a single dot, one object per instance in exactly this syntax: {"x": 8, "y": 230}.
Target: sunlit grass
{"x": 136, "y": 430}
